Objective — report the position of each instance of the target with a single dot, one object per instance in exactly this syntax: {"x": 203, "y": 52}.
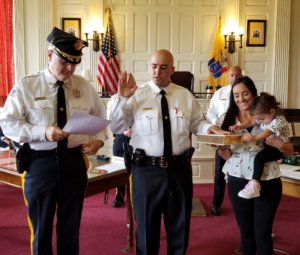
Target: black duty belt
{"x": 47, "y": 153}
{"x": 159, "y": 161}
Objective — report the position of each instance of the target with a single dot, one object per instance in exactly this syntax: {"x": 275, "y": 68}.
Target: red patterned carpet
{"x": 104, "y": 230}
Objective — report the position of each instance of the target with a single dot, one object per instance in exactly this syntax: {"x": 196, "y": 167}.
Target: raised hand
{"x": 127, "y": 85}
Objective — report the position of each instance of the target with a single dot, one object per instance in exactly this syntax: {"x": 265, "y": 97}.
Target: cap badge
{"x": 78, "y": 45}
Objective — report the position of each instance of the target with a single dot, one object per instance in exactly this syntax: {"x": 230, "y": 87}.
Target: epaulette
{"x": 28, "y": 76}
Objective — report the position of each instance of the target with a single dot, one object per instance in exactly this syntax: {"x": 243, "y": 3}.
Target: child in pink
{"x": 265, "y": 111}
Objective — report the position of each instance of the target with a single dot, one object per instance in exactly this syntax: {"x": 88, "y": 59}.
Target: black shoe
{"x": 118, "y": 202}
{"x": 216, "y": 211}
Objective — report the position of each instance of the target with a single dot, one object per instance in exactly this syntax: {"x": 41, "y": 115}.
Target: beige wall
{"x": 40, "y": 16}
{"x": 187, "y": 28}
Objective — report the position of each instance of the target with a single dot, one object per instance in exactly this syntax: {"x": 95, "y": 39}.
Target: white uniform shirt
{"x": 111, "y": 105}
{"x": 241, "y": 162}
{"x": 142, "y": 112}
{"x": 31, "y": 107}
{"x": 219, "y": 104}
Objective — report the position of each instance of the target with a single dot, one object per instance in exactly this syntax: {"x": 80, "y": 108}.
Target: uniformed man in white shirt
{"x": 118, "y": 150}
{"x": 160, "y": 185}
{"x": 56, "y": 180}
{"x": 215, "y": 115}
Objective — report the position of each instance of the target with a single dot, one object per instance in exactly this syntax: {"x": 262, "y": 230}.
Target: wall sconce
{"x": 97, "y": 41}
{"x": 230, "y": 43}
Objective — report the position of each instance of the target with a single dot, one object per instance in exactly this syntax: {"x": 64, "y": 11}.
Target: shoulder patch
{"x": 13, "y": 92}
{"x": 32, "y": 75}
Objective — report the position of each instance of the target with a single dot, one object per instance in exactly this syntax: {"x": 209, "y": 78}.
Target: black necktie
{"x": 61, "y": 114}
{"x": 166, "y": 127}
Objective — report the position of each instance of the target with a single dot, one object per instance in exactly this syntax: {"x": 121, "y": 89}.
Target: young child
{"x": 265, "y": 111}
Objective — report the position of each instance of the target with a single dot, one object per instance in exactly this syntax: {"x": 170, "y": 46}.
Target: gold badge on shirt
{"x": 76, "y": 93}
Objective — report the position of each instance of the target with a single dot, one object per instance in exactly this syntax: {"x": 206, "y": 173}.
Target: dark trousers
{"x": 55, "y": 185}
{"x": 255, "y": 216}
{"x": 118, "y": 144}
{"x": 219, "y": 182}
{"x": 118, "y": 151}
{"x": 159, "y": 191}
{"x": 267, "y": 154}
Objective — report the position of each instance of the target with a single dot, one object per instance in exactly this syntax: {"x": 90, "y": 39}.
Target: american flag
{"x": 109, "y": 67}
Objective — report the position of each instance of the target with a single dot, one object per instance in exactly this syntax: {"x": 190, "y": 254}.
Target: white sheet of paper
{"x": 294, "y": 175}
{"x": 85, "y": 124}
{"x": 286, "y": 169}
{"x": 117, "y": 164}
{"x": 111, "y": 167}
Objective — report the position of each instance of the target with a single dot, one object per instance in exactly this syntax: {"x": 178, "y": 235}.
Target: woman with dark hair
{"x": 266, "y": 112}
{"x": 254, "y": 216}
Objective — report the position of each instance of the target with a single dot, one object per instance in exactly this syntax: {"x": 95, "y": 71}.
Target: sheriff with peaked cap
{"x": 66, "y": 45}
{"x": 55, "y": 178}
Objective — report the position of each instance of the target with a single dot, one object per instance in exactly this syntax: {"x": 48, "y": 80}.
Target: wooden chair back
{"x": 184, "y": 79}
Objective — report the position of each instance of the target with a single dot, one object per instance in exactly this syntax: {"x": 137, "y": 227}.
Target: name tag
{"x": 147, "y": 108}
{"x": 39, "y": 98}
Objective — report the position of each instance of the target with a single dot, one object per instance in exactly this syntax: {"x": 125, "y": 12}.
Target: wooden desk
{"x": 290, "y": 187}
{"x": 8, "y": 172}
{"x": 290, "y": 180}
{"x": 97, "y": 183}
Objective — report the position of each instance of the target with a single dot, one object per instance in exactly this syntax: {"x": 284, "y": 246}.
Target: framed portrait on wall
{"x": 71, "y": 25}
{"x": 256, "y": 33}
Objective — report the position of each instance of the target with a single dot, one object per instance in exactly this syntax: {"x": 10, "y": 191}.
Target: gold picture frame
{"x": 256, "y": 33}
{"x": 72, "y": 25}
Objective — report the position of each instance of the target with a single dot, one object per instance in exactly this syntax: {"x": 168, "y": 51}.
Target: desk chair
{"x": 184, "y": 79}
{"x": 293, "y": 117}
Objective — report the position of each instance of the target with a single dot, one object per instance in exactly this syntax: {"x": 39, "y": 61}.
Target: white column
{"x": 94, "y": 56}
{"x": 19, "y": 35}
{"x": 44, "y": 21}
{"x": 96, "y": 11}
{"x": 282, "y": 42}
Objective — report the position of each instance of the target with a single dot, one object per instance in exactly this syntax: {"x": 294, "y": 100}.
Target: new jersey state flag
{"x": 217, "y": 64}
